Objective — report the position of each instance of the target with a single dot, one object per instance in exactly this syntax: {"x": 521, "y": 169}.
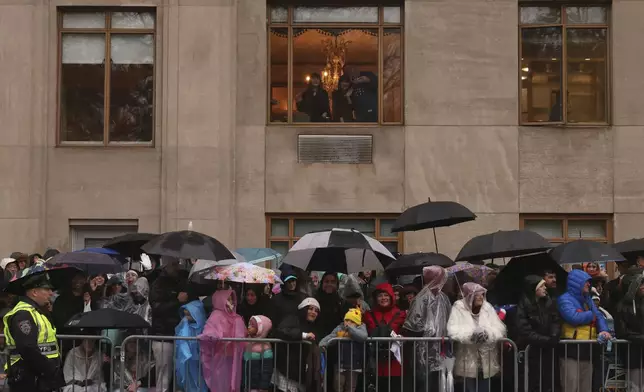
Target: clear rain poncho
{"x": 427, "y": 316}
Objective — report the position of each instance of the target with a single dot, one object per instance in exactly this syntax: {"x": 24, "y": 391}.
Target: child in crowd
{"x": 351, "y": 353}
{"x": 258, "y": 358}
{"x": 188, "y": 370}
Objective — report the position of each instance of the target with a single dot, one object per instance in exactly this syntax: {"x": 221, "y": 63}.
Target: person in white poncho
{"x": 83, "y": 369}
{"x": 476, "y": 328}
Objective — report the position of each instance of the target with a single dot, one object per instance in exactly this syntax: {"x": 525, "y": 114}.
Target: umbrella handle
{"x": 434, "y": 230}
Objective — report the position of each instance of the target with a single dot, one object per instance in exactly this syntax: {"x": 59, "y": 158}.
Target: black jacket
{"x": 629, "y": 323}
{"x": 537, "y": 321}
{"x": 332, "y": 311}
{"x": 290, "y": 359}
{"x": 315, "y": 104}
{"x": 65, "y": 307}
{"x": 284, "y": 304}
{"x": 165, "y": 304}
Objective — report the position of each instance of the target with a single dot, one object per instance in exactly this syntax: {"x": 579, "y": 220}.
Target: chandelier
{"x": 335, "y": 50}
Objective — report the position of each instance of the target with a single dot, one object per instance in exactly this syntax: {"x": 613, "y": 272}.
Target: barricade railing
{"x": 582, "y": 365}
{"x": 257, "y": 360}
{"x": 94, "y": 352}
{"x": 419, "y": 364}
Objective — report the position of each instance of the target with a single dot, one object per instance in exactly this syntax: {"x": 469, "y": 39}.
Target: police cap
{"x": 39, "y": 281}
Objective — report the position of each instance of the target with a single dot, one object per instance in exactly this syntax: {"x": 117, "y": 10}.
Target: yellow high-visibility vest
{"x": 47, "y": 342}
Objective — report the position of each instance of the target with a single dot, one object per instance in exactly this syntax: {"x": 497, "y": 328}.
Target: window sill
{"x": 333, "y": 125}
{"x": 109, "y": 145}
{"x": 568, "y": 125}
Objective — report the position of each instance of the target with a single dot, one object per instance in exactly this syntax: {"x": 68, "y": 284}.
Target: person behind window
{"x": 364, "y": 95}
{"x": 342, "y": 101}
{"x": 314, "y": 101}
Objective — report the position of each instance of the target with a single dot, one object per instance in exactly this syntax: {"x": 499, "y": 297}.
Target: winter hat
{"x": 310, "y": 301}
{"x": 540, "y": 284}
{"x": 6, "y": 261}
{"x": 290, "y": 277}
{"x": 354, "y": 315}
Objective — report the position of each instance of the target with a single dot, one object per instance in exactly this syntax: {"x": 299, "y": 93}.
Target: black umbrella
{"x": 503, "y": 244}
{"x": 631, "y": 249}
{"x": 188, "y": 244}
{"x": 89, "y": 262}
{"x": 107, "y": 318}
{"x": 58, "y": 276}
{"x": 585, "y": 251}
{"x": 338, "y": 250}
{"x": 508, "y": 286}
{"x": 431, "y": 215}
{"x": 413, "y": 264}
{"x": 129, "y": 245}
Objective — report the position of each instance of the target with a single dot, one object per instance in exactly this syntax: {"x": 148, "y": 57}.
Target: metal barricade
{"x": 257, "y": 360}
{"x": 89, "y": 351}
{"x": 581, "y": 365}
{"x": 418, "y": 364}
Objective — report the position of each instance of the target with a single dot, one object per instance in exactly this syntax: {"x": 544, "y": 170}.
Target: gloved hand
{"x": 554, "y": 340}
{"x": 480, "y": 337}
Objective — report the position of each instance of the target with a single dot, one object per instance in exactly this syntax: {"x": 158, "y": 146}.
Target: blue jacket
{"x": 571, "y": 304}
{"x": 187, "y": 362}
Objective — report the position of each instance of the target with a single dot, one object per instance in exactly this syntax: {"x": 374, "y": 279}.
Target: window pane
{"x": 131, "y": 87}
{"x": 587, "y": 57}
{"x": 281, "y": 247}
{"x": 321, "y": 53}
{"x": 547, "y": 228}
{"x": 586, "y": 229}
{"x": 279, "y": 75}
{"x": 279, "y": 14}
{"x": 84, "y": 20}
{"x": 540, "y": 15}
{"x": 391, "y": 14}
{"x": 133, "y": 20}
{"x": 385, "y": 228}
{"x": 391, "y": 76}
{"x": 541, "y": 53}
{"x": 330, "y": 14}
{"x": 586, "y": 15}
{"x": 391, "y": 246}
{"x": 304, "y": 226}
{"x": 82, "y": 87}
{"x": 279, "y": 227}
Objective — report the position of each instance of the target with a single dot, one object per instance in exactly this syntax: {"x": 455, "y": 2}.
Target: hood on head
{"x": 220, "y": 297}
{"x": 470, "y": 289}
{"x": 530, "y": 283}
{"x": 142, "y": 287}
{"x": 351, "y": 287}
{"x": 576, "y": 281}
{"x": 434, "y": 277}
{"x": 264, "y": 325}
{"x": 6, "y": 261}
{"x": 197, "y": 312}
{"x": 384, "y": 288}
{"x": 630, "y": 285}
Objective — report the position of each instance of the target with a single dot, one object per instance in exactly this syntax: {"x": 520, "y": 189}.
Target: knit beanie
{"x": 354, "y": 315}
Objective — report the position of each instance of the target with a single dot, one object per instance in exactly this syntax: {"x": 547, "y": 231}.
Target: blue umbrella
{"x": 259, "y": 255}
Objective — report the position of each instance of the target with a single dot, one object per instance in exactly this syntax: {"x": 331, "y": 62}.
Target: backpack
{"x": 383, "y": 330}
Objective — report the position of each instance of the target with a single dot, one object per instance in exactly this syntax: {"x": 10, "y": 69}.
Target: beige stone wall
{"x": 217, "y": 164}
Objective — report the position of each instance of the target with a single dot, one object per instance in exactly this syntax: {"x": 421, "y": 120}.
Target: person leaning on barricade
{"x": 476, "y": 328}
{"x": 581, "y": 321}
{"x": 629, "y": 322}
{"x": 34, "y": 359}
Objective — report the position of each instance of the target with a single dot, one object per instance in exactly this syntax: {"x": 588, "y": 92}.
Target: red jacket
{"x": 385, "y": 315}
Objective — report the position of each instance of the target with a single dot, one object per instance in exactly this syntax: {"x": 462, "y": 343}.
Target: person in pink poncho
{"x": 222, "y": 360}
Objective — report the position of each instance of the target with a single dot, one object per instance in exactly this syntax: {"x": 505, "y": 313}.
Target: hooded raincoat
{"x": 82, "y": 372}
{"x": 258, "y": 358}
{"x": 464, "y": 326}
{"x": 222, "y": 360}
{"x": 581, "y": 318}
{"x": 427, "y": 317}
{"x": 189, "y": 376}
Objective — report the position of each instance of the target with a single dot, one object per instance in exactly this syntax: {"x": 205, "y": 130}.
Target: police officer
{"x": 34, "y": 358}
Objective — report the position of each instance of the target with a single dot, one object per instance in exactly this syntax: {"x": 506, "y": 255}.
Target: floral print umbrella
{"x": 244, "y": 273}
{"x": 466, "y": 272}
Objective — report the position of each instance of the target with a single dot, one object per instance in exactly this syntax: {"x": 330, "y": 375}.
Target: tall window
{"x": 284, "y": 230}
{"x": 341, "y": 65}
{"x": 102, "y": 104}
{"x": 564, "y": 65}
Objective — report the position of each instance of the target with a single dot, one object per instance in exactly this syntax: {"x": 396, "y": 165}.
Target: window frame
{"x": 564, "y": 61}
{"x": 292, "y": 239}
{"x": 290, "y": 24}
{"x": 564, "y": 218}
{"x": 106, "y": 32}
